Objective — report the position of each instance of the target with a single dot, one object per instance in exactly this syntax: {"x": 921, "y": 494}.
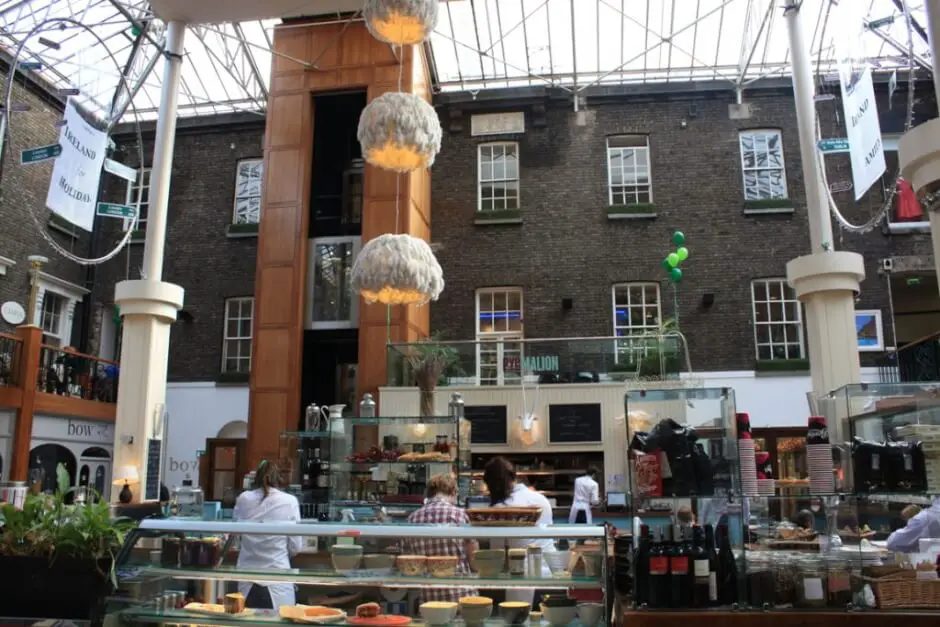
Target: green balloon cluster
{"x": 673, "y": 260}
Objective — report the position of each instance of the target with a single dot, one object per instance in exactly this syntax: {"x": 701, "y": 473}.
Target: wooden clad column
{"x": 280, "y": 279}
{"x": 346, "y": 57}
{"x": 27, "y": 376}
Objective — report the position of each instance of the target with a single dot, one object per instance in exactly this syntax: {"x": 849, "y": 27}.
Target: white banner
{"x": 863, "y": 128}
{"x": 73, "y": 190}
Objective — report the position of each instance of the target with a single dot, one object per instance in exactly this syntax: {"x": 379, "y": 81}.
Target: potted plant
{"x": 428, "y": 360}
{"x": 57, "y": 559}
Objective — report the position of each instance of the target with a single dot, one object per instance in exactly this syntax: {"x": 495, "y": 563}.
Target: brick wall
{"x": 200, "y": 255}
{"x": 23, "y": 195}
{"x": 566, "y": 247}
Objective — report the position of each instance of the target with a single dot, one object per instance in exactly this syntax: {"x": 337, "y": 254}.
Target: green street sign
{"x": 838, "y": 144}
{"x": 40, "y": 154}
{"x": 111, "y": 210}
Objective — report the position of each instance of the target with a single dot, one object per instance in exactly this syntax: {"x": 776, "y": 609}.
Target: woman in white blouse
{"x": 500, "y": 479}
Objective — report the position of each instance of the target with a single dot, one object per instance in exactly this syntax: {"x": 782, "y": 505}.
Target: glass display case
{"x": 183, "y": 572}
{"x": 739, "y": 542}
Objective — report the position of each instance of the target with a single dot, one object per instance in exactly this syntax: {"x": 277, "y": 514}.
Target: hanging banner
{"x": 863, "y": 128}
{"x": 73, "y": 190}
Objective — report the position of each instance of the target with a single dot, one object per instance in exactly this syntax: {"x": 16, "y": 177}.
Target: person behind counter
{"x": 265, "y": 502}
{"x": 586, "y": 496}
{"x": 924, "y": 524}
{"x": 500, "y": 479}
{"x": 805, "y": 520}
{"x": 440, "y": 509}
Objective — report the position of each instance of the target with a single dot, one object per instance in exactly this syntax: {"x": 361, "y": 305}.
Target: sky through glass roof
{"x": 478, "y": 44}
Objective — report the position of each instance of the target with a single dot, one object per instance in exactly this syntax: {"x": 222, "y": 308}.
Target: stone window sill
{"x": 498, "y": 217}
{"x": 769, "y": 207}
{"x": 781, "y": 367}
{"x": 239, "y": 231}
{"x": 645, "y": 211}
{"x": 232, "y": 379}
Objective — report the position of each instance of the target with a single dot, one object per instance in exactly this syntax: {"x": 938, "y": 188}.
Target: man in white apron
{"x": 586, "y": 496}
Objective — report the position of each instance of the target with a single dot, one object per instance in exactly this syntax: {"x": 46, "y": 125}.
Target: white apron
{"x": 580, "y": 506}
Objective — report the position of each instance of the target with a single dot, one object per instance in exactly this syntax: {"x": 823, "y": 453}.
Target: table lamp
{"x": 126, "y": 475}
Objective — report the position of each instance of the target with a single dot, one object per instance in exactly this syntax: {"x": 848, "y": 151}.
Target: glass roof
{"x": 478, "y": 44}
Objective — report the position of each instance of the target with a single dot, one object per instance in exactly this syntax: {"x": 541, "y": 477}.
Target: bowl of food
{"x": 489, "y": 562}
{"x": 476, "y": 609}
{"x": 514, "y": 612}
{"x": 412, "y": 565}
{"x": 590, "y": 614}
{"x": 438, "y": 612}
{"x": 442, "y": 565}
{"x": 345, "y": 557}
{"x": 504, "y": 516}
{"x": 378, "y": 561}
{"x": 558, "y": 600}
{"x": 559, "y": 615}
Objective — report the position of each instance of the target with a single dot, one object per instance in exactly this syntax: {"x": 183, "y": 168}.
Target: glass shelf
{"x": 428, "y": 420}
{"x": 332, "y": 578}
{"x": 365, "y": 466}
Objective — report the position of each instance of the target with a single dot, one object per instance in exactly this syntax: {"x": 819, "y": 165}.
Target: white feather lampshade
{"x": 397, "y": 270}
{"x": 401, "y": 22}
{"x": 399, "y": 132}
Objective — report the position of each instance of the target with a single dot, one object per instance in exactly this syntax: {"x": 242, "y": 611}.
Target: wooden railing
{"x": 66, "y": 372}
{"x": 11, "y": 351}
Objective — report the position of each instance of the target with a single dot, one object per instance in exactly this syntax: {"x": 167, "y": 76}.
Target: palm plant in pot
{"x": 53, "y": 547}
{"x": 429, "y": 360}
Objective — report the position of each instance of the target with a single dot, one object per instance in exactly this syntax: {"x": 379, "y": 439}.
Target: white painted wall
{"x": 195, "y": 412}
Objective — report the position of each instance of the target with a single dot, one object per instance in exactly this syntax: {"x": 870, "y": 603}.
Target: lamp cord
{"x": 388, "y": 307}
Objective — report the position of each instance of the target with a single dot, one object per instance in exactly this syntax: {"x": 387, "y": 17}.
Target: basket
{"x": 504, "y": 516}
{"x": 905, "y": 591}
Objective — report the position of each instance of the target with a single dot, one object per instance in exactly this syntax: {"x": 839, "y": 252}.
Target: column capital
{"x": 826, "y": 272}
{"x": 149, "y": 298}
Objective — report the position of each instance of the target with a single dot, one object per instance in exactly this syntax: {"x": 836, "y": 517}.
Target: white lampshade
{"x": 126, "y": 474}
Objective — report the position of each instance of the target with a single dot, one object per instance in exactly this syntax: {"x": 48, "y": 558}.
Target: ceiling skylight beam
{"x": 698, "y": 12}
{"x": 134, "y": 21}
{"x": 525, "y": 38}
{"x": 257, "y": 46}
{"x": 574, "y": 55}
{"x": 252, "y": 62}
{"x": 750, "y": 48}
{"x": 121, "y": 87}
{"x": 476, "y": 32}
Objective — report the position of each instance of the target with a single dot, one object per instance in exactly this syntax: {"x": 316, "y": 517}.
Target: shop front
{"x": 85, "y": 449}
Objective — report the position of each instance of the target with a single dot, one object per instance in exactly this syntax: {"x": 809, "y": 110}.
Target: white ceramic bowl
{"x": 559, "y": 616}
{"x": 438, "y": 612}
{"x": 557, "y": 560}
{"x": 590, "y": 614}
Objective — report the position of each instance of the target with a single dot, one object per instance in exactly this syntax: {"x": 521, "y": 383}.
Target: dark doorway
{"x": 329, "y": 372}
{"x": 43, "y": 461}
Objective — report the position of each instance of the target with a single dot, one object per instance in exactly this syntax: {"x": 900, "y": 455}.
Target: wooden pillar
{"x": 27, "y": 376}
{"x": 345, "y": 58}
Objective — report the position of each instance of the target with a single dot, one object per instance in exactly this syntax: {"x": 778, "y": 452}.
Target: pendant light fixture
{"x": 401, "y": 22}
{"x": 399, "y": 132}
{"x": 397, "y": 270}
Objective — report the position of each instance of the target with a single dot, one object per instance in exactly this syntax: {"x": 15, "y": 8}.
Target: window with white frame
{"x": 499, "y": 335}
{"x": 899, "y": 220}
{"x": 628, "y": 170}
{"x": 778, "y": 320}
{"x": 331, "y": 302}
{"x": 498, "y": 176}
{"x": 762, "y": 164}
{"x": 236, "y": 339}
{"x": 637, "y": 312}
{"x": 139, "y": 190}
{"x": 55, "y": 309}
{"x": 248, "y": 177}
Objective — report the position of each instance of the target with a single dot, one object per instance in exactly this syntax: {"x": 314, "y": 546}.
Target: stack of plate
{"x": 748, "y": 467}
{"x": 766, "y": 487}
{"x": 819, "y": 460}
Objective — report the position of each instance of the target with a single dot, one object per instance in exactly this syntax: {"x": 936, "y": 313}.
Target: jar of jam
{"x": 170, "y": 552}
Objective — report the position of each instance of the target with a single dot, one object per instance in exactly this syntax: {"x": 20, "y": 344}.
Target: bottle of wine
{"x": 727, "y": 569}
{"x": 679, "y": 596}
{"x": 658, "y": 591}
{"x": 712, "y": 565}
{"x": 700, "y": 570}
{"x": 641, "y": 568}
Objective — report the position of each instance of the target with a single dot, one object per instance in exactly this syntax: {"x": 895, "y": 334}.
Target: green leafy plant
{"x": 48, "y": 527}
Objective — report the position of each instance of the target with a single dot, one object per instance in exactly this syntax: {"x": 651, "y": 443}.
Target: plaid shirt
{"x": 438, "y": 511}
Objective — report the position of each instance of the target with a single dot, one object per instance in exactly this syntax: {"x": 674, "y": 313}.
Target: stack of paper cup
{"x": 746, "y": 463}
{"x": 819, "y": 457}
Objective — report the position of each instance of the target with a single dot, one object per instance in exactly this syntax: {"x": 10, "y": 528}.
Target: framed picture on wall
{"x": 869, "y": 330}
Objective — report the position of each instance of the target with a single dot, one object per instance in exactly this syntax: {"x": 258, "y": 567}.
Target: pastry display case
{"x": 368, "y": 574}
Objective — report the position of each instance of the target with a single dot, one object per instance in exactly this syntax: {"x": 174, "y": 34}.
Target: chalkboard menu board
{"x": 487, "y": 423}
{"x": 568, "y": 424}
{"x": 154, "y": 464}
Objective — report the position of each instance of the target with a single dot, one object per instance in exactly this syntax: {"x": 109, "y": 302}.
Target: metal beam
{"x": 141, "y": 80}
{"x": 304, "y": 64}
{"x": 748, "y": 55}
{"x": 135, "y": 22}
{"x": 128, "y": 68}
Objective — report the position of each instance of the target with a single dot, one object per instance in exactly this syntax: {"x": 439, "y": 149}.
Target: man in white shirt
{"x": 586, "y": 496}
{"x": 924, "y": 525}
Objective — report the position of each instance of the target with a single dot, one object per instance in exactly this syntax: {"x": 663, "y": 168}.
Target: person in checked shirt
{"x": 440, "y": 509}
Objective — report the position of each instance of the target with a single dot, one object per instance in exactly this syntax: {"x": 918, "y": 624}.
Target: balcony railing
{"x": 68, "y": 373}
{"x": 915, "y": 362}
{"x": 510, "y": 361}
{"x": 11, "y": 350}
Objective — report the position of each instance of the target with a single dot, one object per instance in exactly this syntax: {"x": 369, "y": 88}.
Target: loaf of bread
{"x": 234, "y": 603}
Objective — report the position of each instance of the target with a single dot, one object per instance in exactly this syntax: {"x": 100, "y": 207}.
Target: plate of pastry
{"x": 369, "y": 614}
{"x": 311, "y": 614}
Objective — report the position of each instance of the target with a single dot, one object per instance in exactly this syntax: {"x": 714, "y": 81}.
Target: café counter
{"x": 724, "y": 618}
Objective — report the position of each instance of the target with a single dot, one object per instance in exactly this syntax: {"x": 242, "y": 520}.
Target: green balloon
{"x": 678, "y": 238}
{"x": 675, "y": 274}
{"x": 683, "y": 253}
{"x": 673, "y": 260}
{"x": 665, "y": 264}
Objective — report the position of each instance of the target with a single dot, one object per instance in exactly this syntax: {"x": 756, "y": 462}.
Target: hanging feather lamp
{"x": 399, "y": 132}
{"x": 397, "y": 270}
{"x": 400, "y": 22}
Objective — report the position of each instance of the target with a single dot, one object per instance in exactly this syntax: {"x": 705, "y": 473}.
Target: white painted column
{"x": 149, "y": 306}
{"x": 919, "y": 148}
{"x": 825, "y": 281}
